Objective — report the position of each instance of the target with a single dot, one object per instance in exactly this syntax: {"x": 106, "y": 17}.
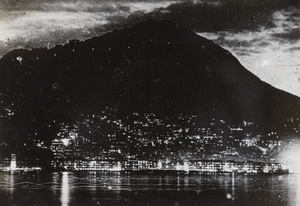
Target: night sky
{"x": 263, "y": 35}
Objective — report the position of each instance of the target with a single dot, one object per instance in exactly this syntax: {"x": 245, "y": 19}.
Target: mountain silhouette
{"x": 155, "y": 66}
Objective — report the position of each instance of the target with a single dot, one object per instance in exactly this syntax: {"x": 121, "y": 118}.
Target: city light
{"x": 65, "y": 141}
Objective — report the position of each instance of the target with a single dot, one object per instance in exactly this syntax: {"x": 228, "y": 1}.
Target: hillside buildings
{"x": 150, "y": 142}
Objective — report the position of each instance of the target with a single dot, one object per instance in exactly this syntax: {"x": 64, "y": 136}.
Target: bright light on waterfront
{"x": 292, "y": 160}
{"x": 13, "y": 162}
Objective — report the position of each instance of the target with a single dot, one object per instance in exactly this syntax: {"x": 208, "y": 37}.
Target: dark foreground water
{"x": 67, "y": 188}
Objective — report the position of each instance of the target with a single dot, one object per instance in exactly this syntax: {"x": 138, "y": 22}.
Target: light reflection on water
{"x": 298, "y": 191}
{"x": 11, "y": 183}
{"x": 232, "y": 188}
{"x": 65, "y": 187}
{"x": 294, "y": 189}
{"x": 92, "y": 188}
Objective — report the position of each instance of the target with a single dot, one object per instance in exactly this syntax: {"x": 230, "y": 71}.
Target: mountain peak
{"x": 155, "y": 66}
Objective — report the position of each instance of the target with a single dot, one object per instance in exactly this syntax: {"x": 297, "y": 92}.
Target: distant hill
{"x": 154, "y": 66}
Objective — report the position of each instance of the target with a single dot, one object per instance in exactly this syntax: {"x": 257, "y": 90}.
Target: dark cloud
{"x": 241, "y": 42}
{"x": 263, "y": 43}
{"x": 292, "y": 35}
{"x": 228, "y": 15}
{"x": 246, "y": 53}
{"x": 296, "y": 48}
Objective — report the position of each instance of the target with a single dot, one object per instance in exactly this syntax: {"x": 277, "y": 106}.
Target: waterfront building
{"x": 13, "y": 162}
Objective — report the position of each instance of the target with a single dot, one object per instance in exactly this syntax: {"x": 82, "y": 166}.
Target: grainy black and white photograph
{"x": 155, "y": 103}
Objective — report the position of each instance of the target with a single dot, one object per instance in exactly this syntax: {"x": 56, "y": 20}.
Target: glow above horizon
{"x": 291, "y": 159}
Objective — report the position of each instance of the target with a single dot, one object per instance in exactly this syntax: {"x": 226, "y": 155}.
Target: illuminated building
{"x": 13, "y": 162}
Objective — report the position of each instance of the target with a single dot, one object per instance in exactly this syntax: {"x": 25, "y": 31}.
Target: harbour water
{"x": 90, "y": 188}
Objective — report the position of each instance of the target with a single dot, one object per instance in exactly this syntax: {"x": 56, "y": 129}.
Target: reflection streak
{"x": 65, "y": 190}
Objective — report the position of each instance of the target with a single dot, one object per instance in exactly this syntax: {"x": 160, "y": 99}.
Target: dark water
{"x": 68, "y": 188}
